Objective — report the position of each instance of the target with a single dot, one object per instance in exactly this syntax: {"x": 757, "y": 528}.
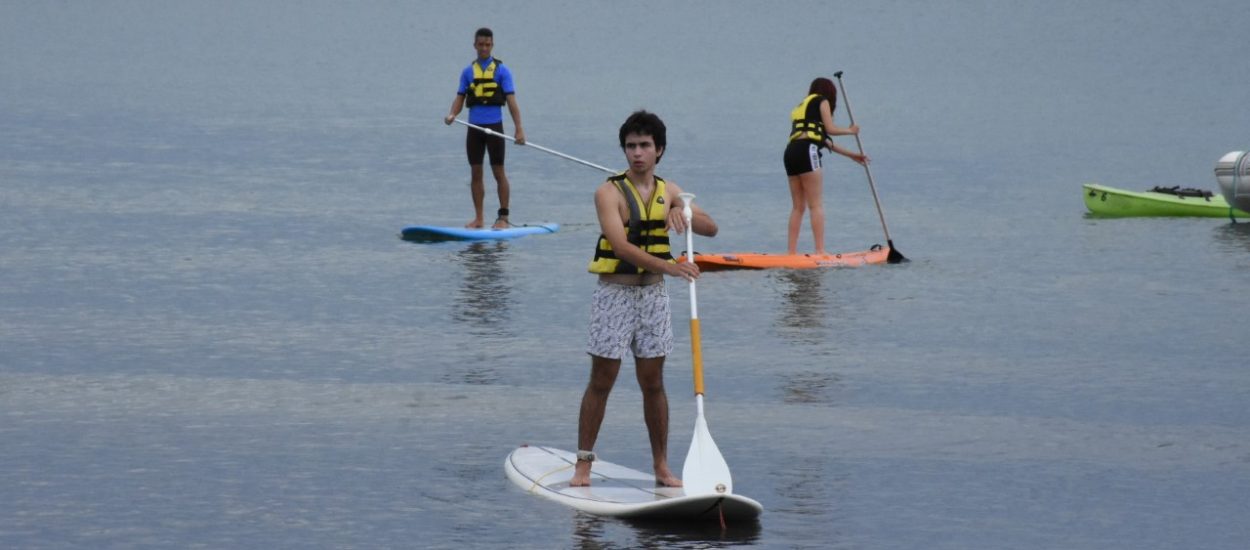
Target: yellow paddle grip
{"x": 697, "y": 353}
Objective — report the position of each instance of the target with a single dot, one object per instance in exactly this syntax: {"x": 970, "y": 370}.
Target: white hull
{"x": 618, "y": 491}
{"x": 1233, "y": 173}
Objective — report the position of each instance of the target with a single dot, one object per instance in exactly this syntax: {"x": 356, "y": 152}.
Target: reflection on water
{"x": 809, "y": 387}
{"x": 482, "y": 305}
{"x": 483, "y": 299}
{"x": 809, "y": 489}
{"x": 802, "y": 313}
{"x": 803, "y": 320}
{"x": 594, "y": 532}
{"x": 1234, "y": 237}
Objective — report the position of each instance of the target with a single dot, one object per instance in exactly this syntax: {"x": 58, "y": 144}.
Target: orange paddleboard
{"x": 749, "y": 260}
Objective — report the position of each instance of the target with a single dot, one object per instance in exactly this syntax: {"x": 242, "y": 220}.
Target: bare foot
{"x": 475, "y": 224}
{"x": 666, "y": 478}
{"x": 822, "y": 253}
{"x": 501, "y": 223}
{"x": 581, "y": 475}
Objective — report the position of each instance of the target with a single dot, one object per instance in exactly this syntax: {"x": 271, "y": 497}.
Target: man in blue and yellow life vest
{"x": 630, "y": 312}
{"x": 486, "y": 86}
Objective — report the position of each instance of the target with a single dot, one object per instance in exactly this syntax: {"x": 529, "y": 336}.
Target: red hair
{"x": 825, "y": 88}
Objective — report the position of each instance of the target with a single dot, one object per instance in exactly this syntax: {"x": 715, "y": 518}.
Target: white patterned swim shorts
{"x": 633, "y": 318}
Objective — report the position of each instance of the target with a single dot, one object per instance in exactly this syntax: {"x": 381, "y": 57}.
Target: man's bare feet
{"x": 666, "y": 478}
{"x": 581, "y": 475}
{"x": 501, "y": 223}
{"x": 475, "y": 224}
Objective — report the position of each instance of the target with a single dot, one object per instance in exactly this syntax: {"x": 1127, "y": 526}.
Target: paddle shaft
{"x": 846, "y": 100}
{"x": 539, "y": 147}
{"x": 695, "y": 340}
{"x": 696, "y": 345}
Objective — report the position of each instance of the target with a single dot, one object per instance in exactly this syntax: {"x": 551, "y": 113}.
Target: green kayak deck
{"x": 1110, "y": 202}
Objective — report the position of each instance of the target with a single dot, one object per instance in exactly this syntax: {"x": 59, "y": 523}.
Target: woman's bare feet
{"x": 501, "y": 223}
{"x": 475, "y": 224}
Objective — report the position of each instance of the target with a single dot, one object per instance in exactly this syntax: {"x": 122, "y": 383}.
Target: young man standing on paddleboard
{"x": 486, "y": 86}
{"x": 630, "y": 310}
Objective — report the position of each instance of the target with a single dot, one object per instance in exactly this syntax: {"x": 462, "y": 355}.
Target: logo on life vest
{"x": 660, "y": 200}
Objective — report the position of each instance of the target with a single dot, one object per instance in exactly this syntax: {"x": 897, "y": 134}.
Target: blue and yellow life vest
{"x": 485, "y": 89}
{"x": 805, "y": 120}
{"x": 644, "y": 229}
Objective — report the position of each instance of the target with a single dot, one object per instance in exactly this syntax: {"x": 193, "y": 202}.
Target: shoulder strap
{"x": 635, "y": 214}
{"x": 494, "y": 65}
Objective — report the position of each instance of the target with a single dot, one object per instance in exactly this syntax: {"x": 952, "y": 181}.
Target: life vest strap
{"x": 635, "y": 213}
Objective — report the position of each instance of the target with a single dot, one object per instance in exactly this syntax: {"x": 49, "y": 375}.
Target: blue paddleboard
{"x": 435, "y": 233}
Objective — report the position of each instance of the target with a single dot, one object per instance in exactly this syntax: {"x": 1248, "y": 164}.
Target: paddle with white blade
{"x": 705, "y": 471}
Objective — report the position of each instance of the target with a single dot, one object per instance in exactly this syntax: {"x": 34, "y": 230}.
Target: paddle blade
{"x": 894, "y": 257}
{"x": 705, "y": 471}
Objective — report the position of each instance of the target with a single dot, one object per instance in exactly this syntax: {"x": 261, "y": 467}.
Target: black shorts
{"x": 477, "y": 143}
{"x": 801, "y": 157}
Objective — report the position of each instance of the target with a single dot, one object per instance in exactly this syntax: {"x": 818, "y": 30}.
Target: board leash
{"x": 540, "y": 479}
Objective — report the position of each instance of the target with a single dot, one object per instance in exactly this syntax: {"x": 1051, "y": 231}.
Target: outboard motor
{"x": 1233, "y": 173}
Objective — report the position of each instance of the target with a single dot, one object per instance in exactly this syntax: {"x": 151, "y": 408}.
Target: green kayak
{"x": 1110, "y": 202}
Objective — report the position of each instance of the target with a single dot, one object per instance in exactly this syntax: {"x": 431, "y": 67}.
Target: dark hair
{"x": 644, "y": 123}
{"x": 826, "y": 89}
{"x": 484, "y": 31}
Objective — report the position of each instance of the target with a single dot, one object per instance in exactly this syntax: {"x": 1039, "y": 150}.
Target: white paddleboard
{"x": 617, "y": 491}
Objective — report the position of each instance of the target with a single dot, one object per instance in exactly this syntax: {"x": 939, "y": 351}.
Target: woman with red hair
{"x": 811, "y": 128}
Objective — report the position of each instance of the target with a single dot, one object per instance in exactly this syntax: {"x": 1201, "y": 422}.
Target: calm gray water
{"x": 211, "y": 336}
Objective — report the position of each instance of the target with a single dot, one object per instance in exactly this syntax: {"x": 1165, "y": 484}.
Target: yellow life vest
{"x": 485, "y": 89}
{"x": 805, "y": 120}
{"x": 644, "y": 229}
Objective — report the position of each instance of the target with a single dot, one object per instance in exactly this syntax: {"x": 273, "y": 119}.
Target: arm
{"x": 466, "y": 76}
{"x": 515, "y": 111}
{"x": 456, "y": 105}
{"x": 857, "y": 157}
{"x": 507, "y": 88}
{"x": 608, "y": 204}
{"x": 826, "y": 118}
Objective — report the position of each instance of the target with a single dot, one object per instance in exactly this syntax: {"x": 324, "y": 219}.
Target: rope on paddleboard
{"x": 540, "y": 479}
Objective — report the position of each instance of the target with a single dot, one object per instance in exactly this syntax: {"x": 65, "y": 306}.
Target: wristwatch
{"x": 585, "y": 456}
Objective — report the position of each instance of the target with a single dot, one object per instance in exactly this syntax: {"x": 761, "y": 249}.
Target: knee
{"x": 602, "y": 378}
{"x": 651, "y": 386}
{"x": 600, "y": 386}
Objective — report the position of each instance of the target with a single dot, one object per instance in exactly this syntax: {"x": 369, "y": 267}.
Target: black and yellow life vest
{"x": 805, "y": 120}
{"x": 485, "y": 89}
{"x": 644, "y": 229}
